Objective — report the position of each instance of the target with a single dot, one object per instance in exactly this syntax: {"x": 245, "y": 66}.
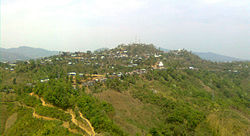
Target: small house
{"x": 160, "y": 64}
{"x": 72, "y": 73}
{"x": 191, "y": 67}
{"x": 81, "y": 74}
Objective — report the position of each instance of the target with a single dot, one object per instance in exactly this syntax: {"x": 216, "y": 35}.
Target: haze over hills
{"x": 216, "y": 57}
{"x": 212, "y": 56}
{"x": 24, "y": 53}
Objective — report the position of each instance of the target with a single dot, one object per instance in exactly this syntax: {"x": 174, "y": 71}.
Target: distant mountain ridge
{"x": 216, "y": 57}
{"x": 211, "y": 56}
{"x": 24, "y": 53}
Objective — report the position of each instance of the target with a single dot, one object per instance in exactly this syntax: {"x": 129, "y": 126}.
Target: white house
{"x": 191, "y": 67}
{"x": 72, "y": 73}
{"x": 160, "y": 64}
{"x": 156, "y": 56}
{"x": 44, "y": 80}
{"x": 81, "y": 74}
{"x": 12, "y": 64}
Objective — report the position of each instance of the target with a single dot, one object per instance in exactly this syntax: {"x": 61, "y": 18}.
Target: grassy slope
{"x": 225, "y": 123}
{"x": 131, "y": 114}
{"x": 135, "y": 116}
{"x": 6, "y": 112}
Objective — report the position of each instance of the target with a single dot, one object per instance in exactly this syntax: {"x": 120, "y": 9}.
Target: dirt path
{"x": 87, "y": 128}
{"x": 43, "y": 117}
{"x": 42, "y": 100}
{"x": 92, "y": 129}
{"x": 65, "y": 124}
{"x": 38, "y": 116}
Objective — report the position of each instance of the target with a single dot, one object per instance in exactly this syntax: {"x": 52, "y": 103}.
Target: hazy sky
{"x": 220, "y": 26}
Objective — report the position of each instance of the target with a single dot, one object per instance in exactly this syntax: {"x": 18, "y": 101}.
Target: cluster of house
{"x": 92, "y": 82}
{"x": 120, "y": 52}
{"x": 234, "y": 71}
{"x": 94, "y": 78}
{"x": 47, "y": 60}
{"x": 137, "y": 71}
{"x": 158, "y": 65}
{"x": 179, "y": 51}
{"x": 12, "y": 66}
{"x": 237, "y": 68}
{"x": 11, "y": 69}
{"x": 190, "y": 68}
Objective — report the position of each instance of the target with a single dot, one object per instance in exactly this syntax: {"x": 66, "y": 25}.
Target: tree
{"x": 14, "y": 81}
{"x": 88, "y": 52}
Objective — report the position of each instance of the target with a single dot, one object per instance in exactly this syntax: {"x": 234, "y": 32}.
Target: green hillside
{"x": 129, "y": 90}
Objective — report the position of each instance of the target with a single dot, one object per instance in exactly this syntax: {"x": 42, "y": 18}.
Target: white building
{"x": 160, "y": 64}
{"x": 191, "y": 67}
{"x": 81, "y": 74}
{"x": 72, "y": 73}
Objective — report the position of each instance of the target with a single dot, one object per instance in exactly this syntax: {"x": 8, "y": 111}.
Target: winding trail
{"x": 87, "y": 128}
{"x": 39, "y": 116}
{"x": 65, "y": 124}
{"x": 42, "y": 100}
{"x": 92, "y": 129}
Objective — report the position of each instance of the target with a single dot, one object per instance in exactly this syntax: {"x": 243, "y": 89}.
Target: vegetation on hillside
{"x": 186, "y": 96}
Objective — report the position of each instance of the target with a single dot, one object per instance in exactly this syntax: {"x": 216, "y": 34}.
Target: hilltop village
{"x": 88, "y": 68}
{"x": 100, "y": 65}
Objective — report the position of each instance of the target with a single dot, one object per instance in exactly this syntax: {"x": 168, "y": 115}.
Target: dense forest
{"x": 128, "y": 90}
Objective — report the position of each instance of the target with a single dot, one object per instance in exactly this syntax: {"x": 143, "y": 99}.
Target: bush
{"x": 53, "y": 112}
